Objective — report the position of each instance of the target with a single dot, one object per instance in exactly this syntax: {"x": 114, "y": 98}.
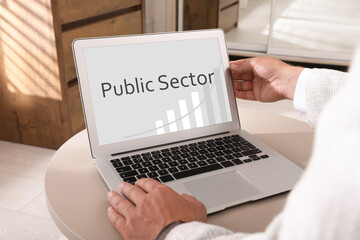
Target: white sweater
{"x": 325, "y": 203}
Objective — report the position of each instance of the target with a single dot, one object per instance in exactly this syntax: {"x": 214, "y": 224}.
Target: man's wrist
{"x": 292, "y": 82}
{"x": 164, "y": 232}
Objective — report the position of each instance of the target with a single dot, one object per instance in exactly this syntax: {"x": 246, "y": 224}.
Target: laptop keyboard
{"x": 178, "y": 162}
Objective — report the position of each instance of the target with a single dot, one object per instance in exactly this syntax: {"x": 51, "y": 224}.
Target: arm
{"x": 321, "y": 86}
{"x": 267, "y": 79}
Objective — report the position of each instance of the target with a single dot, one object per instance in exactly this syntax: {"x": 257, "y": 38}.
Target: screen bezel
{"x": 153, "y": 141}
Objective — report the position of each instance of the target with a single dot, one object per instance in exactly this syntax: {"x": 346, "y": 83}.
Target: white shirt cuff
{"x": 299, "y": 96}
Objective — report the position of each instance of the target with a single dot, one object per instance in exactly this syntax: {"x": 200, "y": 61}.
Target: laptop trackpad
{"x": 221, "y": 189}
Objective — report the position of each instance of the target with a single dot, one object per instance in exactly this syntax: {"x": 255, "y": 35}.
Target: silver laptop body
{"x": 166, "y": 102}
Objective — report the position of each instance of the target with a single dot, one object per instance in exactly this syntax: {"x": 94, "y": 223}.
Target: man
{"x": 325, "y": 204}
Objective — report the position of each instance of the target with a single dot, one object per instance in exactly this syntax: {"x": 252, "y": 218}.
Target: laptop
{"x": 162, "y": 106}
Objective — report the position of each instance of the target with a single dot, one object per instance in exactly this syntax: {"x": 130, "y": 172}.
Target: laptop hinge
{"x": 161, "y": 145}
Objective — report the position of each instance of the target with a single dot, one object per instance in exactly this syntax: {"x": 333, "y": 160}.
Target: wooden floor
{"x": 23, "y": 211}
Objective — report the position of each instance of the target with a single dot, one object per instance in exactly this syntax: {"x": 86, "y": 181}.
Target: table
{"x": 76, "y": 193}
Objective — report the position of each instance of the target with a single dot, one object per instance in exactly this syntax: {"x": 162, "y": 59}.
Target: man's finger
{"x": 133, "y": 193}
{"x": 243, "y": 85}
{"x": 147, "y": 184}
{"x": 119, "y": 203}
{"x": 247, "y": 95}
{"x": 116, "y": 219}
{"x": 188, "y": 197}
{"x": 242, "y": 69}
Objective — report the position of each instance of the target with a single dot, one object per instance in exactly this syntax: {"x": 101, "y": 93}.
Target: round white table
{"x": 76, "y": 193}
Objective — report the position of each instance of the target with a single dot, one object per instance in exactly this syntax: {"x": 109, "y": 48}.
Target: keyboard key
{"x": 219, "y": 153}
{"x": 163, "y": 166}
{"x": 192, "y": 159}
{"x": 148, "y": 158}
{"x": 123, "y": 169}
{"x": 146, "y": 164}
{"x": 137, "y": 160}
{"x": 201, "y": 157}
{"x": 163, "y": 172}
{"x": 156, "y": 162}
{"x": 229, "y": 157}
{"x": 202, "y": 163}
{"x": 227, "y": 151}
{"x": 135, "y": 156}
{"x": 220, "y": 159}
{"x": 194, "y": 154}
{"x": 247, "y": 160}
{"x": 176, "y": 152}
{"x": 157, "y": 179}
{"x": 211, "y": 161}
{"x": 153, "y": 168}
{"x": 166, "y": 178}
{"x": 227, "y": 164}
{"x": 237, "y": 149}
{"x": 254, "y": 157}
{"x": 155, "y": 152}
{"x": 202, "y": 147}
{"x": 174, "y": 148}
{"x": 175, "y": 157}
{"x": 212, "y": 149}
{"x": 192, "y": 165}
{"x": 145, "y": 154}
{"x": 143, "y": 170}
{"x": 125, "y": 158}
{"x": 131, "y": 180}
{"x": 250, "y": 145}
{"x": 220, "y": 148}
{"x": 117, "y": 164}
{"x": 166, "y": 154}
{"x": 157, "y": 156}
{"x": 173, "y": 170}
{"x": 183, "y": 161}
{"x": 165, "y": 150}
{"x": 264, "y": 156}
{"x": 237, "y": 161}
{"x": 152, "y": 174}
{"x": 115, "y": 160}
{"x": 251, "y": 152}
{"x": 183, "y": 168}
{"x": 141, "y": 176}
{"x": 185, "y": 155}
{"x": 166, "y": 159}
{"x": 203, "y": 151}
{"x": 238, "y": 155}
{"x": 173, "y": 164}
{"x": 128, "y": 174}
{"x": 127, "y": 162}
{"x": 196, "y": 171}
{"x": 210, "y": 155}
{"x": 136, "y": 166}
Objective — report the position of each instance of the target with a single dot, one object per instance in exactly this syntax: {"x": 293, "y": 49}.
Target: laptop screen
{"x": 148, "y": 89}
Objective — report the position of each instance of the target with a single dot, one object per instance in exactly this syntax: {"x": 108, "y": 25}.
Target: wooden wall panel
{"x": 30, "y": 87}
{"x": 200, "y": 14}
{"x": 38, "y": 104}
{"x": 130, "y": 23}
{"x": 74, "y": 10}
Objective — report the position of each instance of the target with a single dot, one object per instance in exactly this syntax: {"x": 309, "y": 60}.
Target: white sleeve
{"x": 203, "y": 231}
{"x": 299, "y": 96}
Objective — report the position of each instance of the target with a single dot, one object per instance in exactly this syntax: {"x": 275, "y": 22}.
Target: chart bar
{"x": 197, "y": 109}
{"x": 171, "y": 120}
{"x": 184, "y": 114}
{"x": 159, "y": 127}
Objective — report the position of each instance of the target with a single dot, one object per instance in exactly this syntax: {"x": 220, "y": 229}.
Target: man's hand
{"x": 150, "y": 206}
{"x": 264, "y": 79}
